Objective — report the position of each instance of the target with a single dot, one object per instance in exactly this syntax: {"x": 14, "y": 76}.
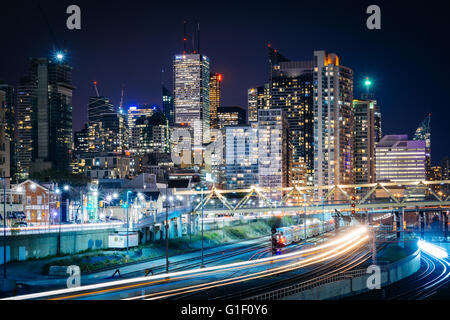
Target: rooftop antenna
{"x": 95, "y": 87}
{"x": 193, "y": 42}
{"x": 184, "y": 38}
{"x": 121, "y": 98}
{"x": 198, "y": 37}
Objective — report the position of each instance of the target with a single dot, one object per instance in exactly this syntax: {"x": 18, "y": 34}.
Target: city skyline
{"x": 240, "y": 72}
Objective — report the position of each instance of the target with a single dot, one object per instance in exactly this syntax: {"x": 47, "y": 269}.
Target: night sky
{"x": 130, "y": 42}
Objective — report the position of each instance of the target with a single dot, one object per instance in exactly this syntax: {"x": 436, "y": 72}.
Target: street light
{"x": 201, "y": 188}
{"x": 128, "y": 222}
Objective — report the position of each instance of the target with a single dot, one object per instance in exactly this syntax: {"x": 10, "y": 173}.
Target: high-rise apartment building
{"x": 241, "y": 156}
{"x": 51, "y": 85}
{"x": 215, "y": 81}
{"x": 26, "y": 127}
{"x": 191, "y": 94}
{"x": 365, "y": 139}
{"x": 333, "y": 121}
{"x": 292, "y": 91}
{"x": 274, "y": 152}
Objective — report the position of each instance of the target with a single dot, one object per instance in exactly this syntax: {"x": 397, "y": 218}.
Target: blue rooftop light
{"x": 59, "y": 55}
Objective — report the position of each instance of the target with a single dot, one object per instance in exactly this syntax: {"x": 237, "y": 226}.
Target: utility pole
{"x": 167, "y": 228}
{"x": 4, "y": 227}
{"x": 128, "y": 221}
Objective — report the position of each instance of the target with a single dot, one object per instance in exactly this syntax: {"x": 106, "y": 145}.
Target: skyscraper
{"x": 333, "y": 121}
{"x": 98, "y": 106}
{"x": 191, "y": 94}
{"x": 135, "y": 112}
{"x": 252, "y": 105}
{"x": 423, "y": 132}
{"x": 365, "y": 139}
{"x": 274, "y": 152}
{"x": 445, "y": 169}
{"x": 108, "y": 130}
{"x": 292, "y": 91}
{"x": 52, "y": 114}
{"x": 81, "y": 140}
{"x": 4, "y": 140}
{"x": 167, "y": 103}
{"x": 257, "y": 98}
{"x": 230, "y": 116}
{"x": 241, "y": 156}
{"x": 215, "y": 81}
{"x": 26, "y": 126}
{"x": 10, "y": 125}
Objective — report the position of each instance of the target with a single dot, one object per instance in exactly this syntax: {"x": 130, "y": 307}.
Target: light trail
{"x": 145, "y": 281}
{"x": 307, "y": 262}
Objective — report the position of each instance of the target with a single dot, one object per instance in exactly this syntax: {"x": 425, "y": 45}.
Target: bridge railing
{"x": 342, "y": 197}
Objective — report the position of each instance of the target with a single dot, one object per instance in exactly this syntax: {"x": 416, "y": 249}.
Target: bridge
{"x": 311, "y": 199}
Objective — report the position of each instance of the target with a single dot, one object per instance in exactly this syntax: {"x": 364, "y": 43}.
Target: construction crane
{"x": 95, "y": 87}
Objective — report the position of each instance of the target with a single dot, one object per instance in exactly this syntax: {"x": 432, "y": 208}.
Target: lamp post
{"x": 128, "y": 192}
{"x": 201, "y": 188}
{"x": 167, "y": 228}
{"x": 4, "y": 227}
{"x": 58, "y": 251}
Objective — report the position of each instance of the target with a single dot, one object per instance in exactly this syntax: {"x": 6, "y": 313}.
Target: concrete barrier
{"x": 348, "y": 284}
{"x": 27, "y": 246}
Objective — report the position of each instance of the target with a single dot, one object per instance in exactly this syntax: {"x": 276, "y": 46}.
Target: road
{"x": 345, "y": 249}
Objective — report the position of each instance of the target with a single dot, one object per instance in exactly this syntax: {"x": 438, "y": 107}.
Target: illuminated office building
{"x": 241, "y": 156}
{"x": 365, "y": 139}
{"x": 257, "y": 98}
{"x": 107, "y": 128}
{"x": 214, "y": 97}
{"x": 445, "y": 171}
{"x": 135, "y": 112}
{"x": 252, "y": 105}
{"x": 98, "y": 106}
{"x": 333, "y": 121}
{"x": 191, "y": 94}
{"x": 167, "y": 103}
{"x": 81, "y": 140}
{"x": 292, "y": 91}
{"x": 230, "y": 116}
{"x": 399, "y": 159}
{"x": 274, "y": 152}
{"x": 4, "y": 140}
{"x": 423, "y": 132}
{"x": 26, "y": 94}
